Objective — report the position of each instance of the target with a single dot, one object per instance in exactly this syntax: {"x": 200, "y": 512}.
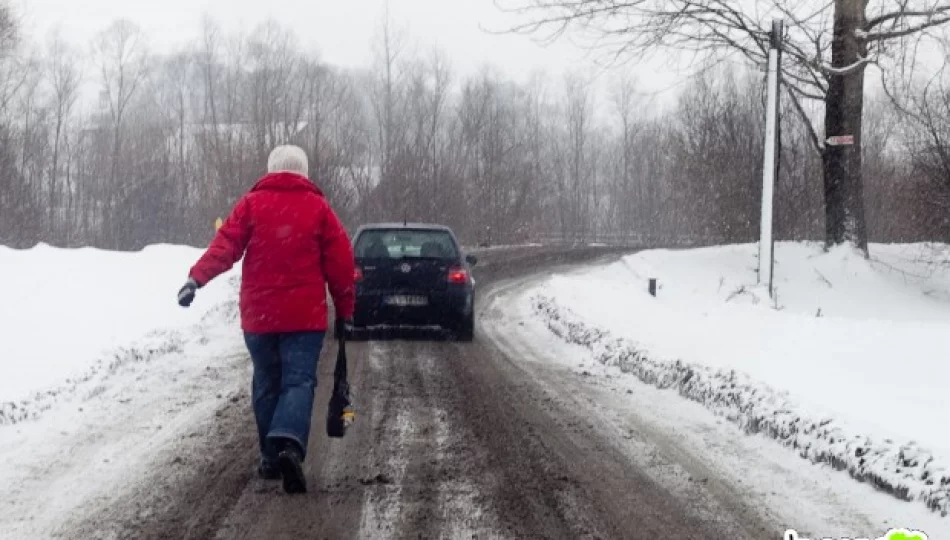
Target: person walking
{"x": 294, "y": 249}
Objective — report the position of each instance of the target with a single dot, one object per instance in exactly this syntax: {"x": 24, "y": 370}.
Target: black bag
{"x": 340, "y": 413}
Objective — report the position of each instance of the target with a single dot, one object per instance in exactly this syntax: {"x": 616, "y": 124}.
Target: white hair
{"x": 288, "y": 158}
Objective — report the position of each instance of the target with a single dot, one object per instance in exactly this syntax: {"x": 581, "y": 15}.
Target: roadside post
{"x": 771, "y": 161}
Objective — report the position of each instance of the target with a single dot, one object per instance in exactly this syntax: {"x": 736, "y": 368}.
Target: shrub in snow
{"x": 903, "y": 470}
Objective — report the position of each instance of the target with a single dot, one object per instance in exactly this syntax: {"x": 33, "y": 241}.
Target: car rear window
{"x": 405, "y": 243}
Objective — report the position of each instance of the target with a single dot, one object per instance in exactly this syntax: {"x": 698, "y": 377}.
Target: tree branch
{"x": 882, "y": 36}
{"x": 894, "y": 16}
{"x": 801, "y": 91}
{"x": 846, "y": 70}
{"x": 812, "y": 134}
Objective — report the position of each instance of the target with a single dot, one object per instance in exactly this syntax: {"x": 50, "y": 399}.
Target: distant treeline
{"x": 174, "y": 139}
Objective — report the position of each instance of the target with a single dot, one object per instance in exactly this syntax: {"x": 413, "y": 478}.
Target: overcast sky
{"x": 341, "y": 30}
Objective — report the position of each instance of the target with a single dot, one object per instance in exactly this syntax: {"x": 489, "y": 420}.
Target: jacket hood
{"x": 285, "y": 181}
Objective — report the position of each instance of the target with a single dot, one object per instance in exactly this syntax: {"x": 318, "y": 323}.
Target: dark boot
{"x": 268, "y": 471}
{"x": 290, "y": 462}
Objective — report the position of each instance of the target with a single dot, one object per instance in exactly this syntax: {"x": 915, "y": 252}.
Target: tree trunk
{"x": 54, "y": 176}
{"x": 112, "y": 211}
{"x": 844, "y": 195}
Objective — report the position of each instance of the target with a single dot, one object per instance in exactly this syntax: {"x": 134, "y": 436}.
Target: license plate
{"x": 407, "y": 301}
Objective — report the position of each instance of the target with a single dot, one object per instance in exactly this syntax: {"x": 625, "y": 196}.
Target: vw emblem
{"x": 406, "y": 268}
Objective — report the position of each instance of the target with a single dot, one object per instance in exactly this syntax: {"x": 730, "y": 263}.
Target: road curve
{"x": 453, "y": 440}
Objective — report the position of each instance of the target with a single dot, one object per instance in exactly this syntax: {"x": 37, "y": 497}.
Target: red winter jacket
{"x": 294, "y": 247}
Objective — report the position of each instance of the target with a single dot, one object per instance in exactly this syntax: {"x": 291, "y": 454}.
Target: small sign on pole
{"x": 840, "y": 140}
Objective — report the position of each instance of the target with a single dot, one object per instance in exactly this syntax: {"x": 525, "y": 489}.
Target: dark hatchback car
{"x": 413, "y": 275}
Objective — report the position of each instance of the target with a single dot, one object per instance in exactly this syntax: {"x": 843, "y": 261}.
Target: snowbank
{"x": 115, "y": 440}
{"x": 67, "y": 314}
{"x": 847, "y": 365}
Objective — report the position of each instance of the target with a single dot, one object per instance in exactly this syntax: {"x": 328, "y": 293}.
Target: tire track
{"x": 445, "y": 489}
{"x": 460, "y": 494}
{"x": 382, "y": 502}
{"x": 437, "y": 482}
{"x": 420, "y": 517}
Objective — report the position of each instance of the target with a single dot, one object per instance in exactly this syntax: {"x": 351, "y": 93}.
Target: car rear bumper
{"x": 444, "y": 308}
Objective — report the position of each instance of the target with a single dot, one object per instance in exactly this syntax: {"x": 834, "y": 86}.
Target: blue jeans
{"x": 285, "y": 375}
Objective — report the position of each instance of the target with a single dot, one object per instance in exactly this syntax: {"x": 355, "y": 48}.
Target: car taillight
{"x": 458, "y": 275}
{"x": 358, "y": 275}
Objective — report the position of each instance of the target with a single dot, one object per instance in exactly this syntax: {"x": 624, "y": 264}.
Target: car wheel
{"x": 466, "y": 329}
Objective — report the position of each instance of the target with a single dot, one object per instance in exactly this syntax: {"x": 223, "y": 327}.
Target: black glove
{"x": 187, "y": 293}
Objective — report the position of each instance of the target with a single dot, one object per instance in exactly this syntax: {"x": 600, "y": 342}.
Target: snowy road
{"x": 490, "y": 439}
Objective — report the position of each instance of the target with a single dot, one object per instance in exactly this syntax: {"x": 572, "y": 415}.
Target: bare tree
{"x": 277, "y": 86}
{"x": 8, "y": 29}
{"x": 927, "y": 139}
{"x": 625, "y": 190}
{"x": 535, "y": 168}
{"x": 222, "y": 62}
{"x": 209, "y": 64}
{"x": 120, "y": 54}
{"x": 336, "y": 136}
{"x": 32, "y": 127}
{"x": 64, "y": 78}
{"x": 345, "y": 141}
{"x": 578, "y": 109}
{"x": 21, "y": 131}
{"x": 9, "y": 40}
{"x": 829, "y": 46}
{"x": 388, "y": 102}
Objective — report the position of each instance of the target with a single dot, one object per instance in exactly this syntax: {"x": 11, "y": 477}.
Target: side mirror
{"x": 471, "y": 259}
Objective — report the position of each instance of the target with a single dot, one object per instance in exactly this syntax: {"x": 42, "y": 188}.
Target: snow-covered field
{"x": 104, "y": 378}
{"x": 847, "y": 365}
{"x": 68, "y": 313}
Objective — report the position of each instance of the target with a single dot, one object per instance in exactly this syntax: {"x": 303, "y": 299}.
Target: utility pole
{"x": 770, "y": 165}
